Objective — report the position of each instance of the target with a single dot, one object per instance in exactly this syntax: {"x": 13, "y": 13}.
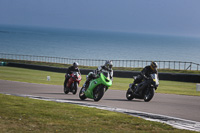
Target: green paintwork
{"x": 95, "y": 82}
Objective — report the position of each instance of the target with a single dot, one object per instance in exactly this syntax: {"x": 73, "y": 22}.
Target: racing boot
{"x": 86, "y": 84}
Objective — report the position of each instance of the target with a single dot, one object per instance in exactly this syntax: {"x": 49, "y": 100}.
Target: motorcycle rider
{"x": 145, "y": 74}
{"x": 73, "y": 68}
{"x": 107, "y": 67}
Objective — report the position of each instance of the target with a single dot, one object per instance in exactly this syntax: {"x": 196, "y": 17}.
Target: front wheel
{"x": 75, "y": 88}
{"x": 98, "y": 92}
{"x": 129, "y": 94}
{"x": 82, "y": 94}
{"x": 66, "y": 89}
{"x": 149, "y": 94}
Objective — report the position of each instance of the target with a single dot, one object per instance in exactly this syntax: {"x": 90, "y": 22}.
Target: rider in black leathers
{"x": 73, "y": 68}
{"x": 145, "y": 73}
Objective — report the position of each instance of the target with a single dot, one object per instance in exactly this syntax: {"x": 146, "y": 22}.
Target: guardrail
{"x": 175, "y": 65}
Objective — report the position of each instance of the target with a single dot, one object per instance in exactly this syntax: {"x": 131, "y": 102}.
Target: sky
{"x": 177, "y": 17}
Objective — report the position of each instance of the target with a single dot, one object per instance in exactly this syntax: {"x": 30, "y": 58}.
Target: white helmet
{"x": 108, "y": 64}
{"x": 75, "y": 64}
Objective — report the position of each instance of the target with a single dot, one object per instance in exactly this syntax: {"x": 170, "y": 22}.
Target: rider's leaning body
{"x": 145, "y": 73}
{"x": 73, "y": 68}
{"x": 107, "y": 67}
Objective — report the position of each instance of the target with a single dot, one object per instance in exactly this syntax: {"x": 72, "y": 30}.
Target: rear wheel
{"x": 98, "y": 92}
{"x": 129, "y": 94}
{"x": 66, "y": 90}
{"x": 82, "y": 94}
{"x": 149, "y": 94}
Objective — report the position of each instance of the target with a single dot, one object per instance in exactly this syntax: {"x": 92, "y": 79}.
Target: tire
{"x": 82, "y": 94}
{"x": 66, "y": 89}
{"x": 75, "y": 88}
{"x": 129, "y": 94}
{"x": 98, "y": 92}
{"x": 149, "y": 94}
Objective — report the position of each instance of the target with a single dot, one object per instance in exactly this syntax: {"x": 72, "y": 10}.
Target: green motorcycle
{"x": 97, "y": 87}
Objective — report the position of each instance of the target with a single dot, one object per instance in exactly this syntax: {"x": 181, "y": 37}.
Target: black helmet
{"x": 108, "y": 64}
{"x": 154, "y": 65}
{"x": 75, "y": 64}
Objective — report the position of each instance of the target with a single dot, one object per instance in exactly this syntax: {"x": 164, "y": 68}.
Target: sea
{"x": 105, "y": 45}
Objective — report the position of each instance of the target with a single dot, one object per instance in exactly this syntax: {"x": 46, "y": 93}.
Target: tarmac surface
{"x": 179, "y": 111}
{"x": 180, "y": 106}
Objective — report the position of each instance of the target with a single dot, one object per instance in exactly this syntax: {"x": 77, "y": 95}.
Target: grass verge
{"x": 19, "y": 114}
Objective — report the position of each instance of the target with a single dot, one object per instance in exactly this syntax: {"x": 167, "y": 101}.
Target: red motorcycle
{"x": 73, "y": 82}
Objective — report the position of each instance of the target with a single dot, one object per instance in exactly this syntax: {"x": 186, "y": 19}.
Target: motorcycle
{"x": 73, "y": 82}
{"x": 146, "y": 89}
{"x": 97, "y": 87}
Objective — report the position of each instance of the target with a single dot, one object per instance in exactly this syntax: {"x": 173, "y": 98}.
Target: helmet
{"x": 108, "y": 64}
{"x": 154, "y": 65}
{"x": 75, "y": 64}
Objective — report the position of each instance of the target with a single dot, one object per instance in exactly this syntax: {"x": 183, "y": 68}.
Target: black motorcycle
{"x": 146, "y": 89}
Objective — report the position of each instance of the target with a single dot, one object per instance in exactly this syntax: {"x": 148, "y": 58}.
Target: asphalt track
{"x": 178, "y": 106}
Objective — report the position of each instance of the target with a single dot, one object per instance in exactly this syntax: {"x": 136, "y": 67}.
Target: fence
{"x": 175, "y": 65}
